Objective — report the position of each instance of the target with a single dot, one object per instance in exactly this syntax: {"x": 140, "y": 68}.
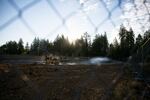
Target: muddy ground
{"x": 69, "y": 82}
{"x": 50, "y": 82}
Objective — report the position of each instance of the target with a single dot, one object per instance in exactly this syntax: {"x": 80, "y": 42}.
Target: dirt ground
{"x": 50, "y": 82}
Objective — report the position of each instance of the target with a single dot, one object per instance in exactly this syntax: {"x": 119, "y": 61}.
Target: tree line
{"x": 82, "y": 47}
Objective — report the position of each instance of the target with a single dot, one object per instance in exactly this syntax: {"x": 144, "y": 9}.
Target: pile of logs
{"x": 52, "y": 60}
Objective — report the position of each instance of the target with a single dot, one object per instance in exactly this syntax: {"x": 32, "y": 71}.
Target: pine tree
{"x": 20, "y": 46}
{"x": 27, "y": 49}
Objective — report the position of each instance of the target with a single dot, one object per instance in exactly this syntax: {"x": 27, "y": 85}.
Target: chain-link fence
{"x": 96, "y": 13}
{"x": 133, "y": 13}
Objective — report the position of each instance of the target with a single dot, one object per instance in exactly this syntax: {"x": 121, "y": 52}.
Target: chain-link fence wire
{"x": 131, "y": 13}
{"x": 135, "y": 7}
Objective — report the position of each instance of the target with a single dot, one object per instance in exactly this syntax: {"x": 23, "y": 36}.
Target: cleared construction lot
{"x": 69, "y": 82}
{"x": 56, "y": 82}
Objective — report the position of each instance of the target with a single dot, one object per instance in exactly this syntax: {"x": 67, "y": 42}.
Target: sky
{"x": 47, "y": 19}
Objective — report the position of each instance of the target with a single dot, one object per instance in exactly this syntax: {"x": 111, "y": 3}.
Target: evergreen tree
{"x": 27, "y": 48}
{"x": 61, "y": 45}
{"x": 11, "y": 47}
{"x": 35, "y": 46}
{"x": 100, "y": 45}
{"x": 146, "y": 36}
{"x": 114, "y": 50}
{"x": 126, "y": 42}
{"x": 130, "y": 41}
{"x": 86, "y": 44}
{"x": 20, "y": 46}
{"x": 79, "y": 47}
{"x": 43, "y": 46}
{"x": 139, "y": 41}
